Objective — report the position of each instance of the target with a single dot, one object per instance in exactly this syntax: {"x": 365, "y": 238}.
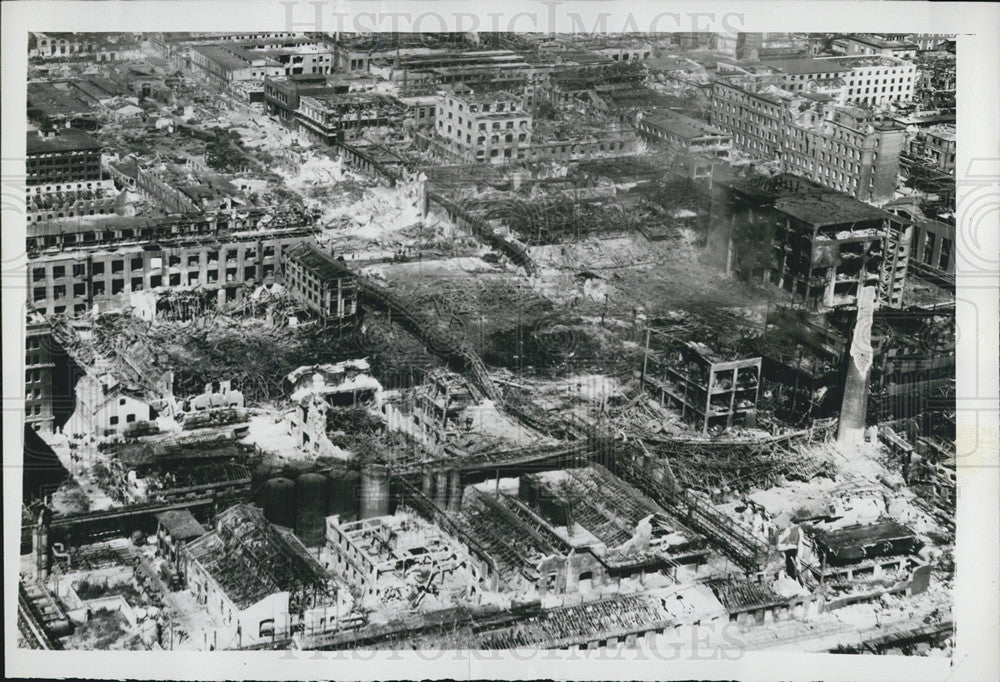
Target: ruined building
{"x": 817, "y": 244}
{"x": 100, "y": 263}
{"x": 486, "y": 127}
{"x": 841, "y": 147}
{"x": 321, "y": 283}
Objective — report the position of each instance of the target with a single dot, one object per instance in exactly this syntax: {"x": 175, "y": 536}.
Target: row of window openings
{"x": 485, "y": 107}
{"x": 174, "y": 279}
{"x": 496, "y": 138}
{"x": 732, "y": 122}
{"x": 98, "y": 268}
{"x": 928, "y": 250}
{"x": 71, "y": 214}
{"x": 547, "y": 150}
{"x": 69, "y": 188}
{"x": 482, "y": 126}
{"x": 78, "y": 156}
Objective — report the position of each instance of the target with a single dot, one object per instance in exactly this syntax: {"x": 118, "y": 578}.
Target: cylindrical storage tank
{"x": 454, "y": 491}
{"x": 441, "y": 489}
{"x": 61, "y": 627}
{"x": 310, "y": 510}
{"x": 374, "y": 492}
{"x": 258, "y": 480}
{"x": 279, "y": 502}
{"x": 343, "y": 490}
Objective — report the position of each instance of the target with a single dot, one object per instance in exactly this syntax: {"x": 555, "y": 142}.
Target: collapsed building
{"x": 402, "y": 557}
{"x": 803, "y": 361}
{"x": 318, "y": 390}
{"x": 709, "y": 390}
{"x": 177, "y": 467}
{"x": 561, "y": 531}
{"x": 332, "y": 119}
{"x": 435, "y": 411}
{"x": 259, "y": 580}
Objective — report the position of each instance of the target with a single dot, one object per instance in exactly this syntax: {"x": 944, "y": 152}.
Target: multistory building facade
{"x": 487, "y": 127}
{"x": 684, "y": 134}
{"x": 321, "y": 283}
{"x": 336, "y": 118}
{"x": 62, "y": 160}
{"x": 864, "y": 80}
{"x": 76, "y": 267}
{"x": 844, "y": 148}
{"x": 820, "y": 246}
{"x": 38, "y": 366}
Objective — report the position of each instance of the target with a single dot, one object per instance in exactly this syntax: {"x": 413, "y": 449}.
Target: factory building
{"x": 282, "y": 95}
{"x": 335, "y": 118}
{"x": 933, "y": 245}
{"x": 935, "y": 146}
{"x": 844, "y": 148}
{"x": 82, "y": 265}
{"x": 712, "y": 391}
{"x": 402, "y": 556}
{"x": 259, "y": 580}
{"x": 225, "y": 65}
{"x": 871, "y": 81}
{"x": 573, "y": 530}
{"x": 869, "y": 44}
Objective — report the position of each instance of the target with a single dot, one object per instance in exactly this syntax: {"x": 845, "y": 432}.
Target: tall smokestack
{"x": 854, "y": 407}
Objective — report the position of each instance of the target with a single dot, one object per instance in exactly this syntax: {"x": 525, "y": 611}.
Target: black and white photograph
{"x": 597, "y": 342}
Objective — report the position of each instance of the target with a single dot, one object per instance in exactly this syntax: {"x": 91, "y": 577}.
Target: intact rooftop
{"x": 66, "y": 140}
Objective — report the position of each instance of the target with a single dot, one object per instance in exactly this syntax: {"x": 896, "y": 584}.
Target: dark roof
{"x": 742, "y": 595}
{"x": 180, "y": 524}
{"x": 829, "y": 208}
{"x": 810, "y": 65}
{"x": 225, "y": 57}
{"x": 876, "y": 41}
{"x": 152, "y": 454}
{"x": 683, "y": 126}
{"x": 322, "y": 264}
{"x": 69, "y": 139}
{"x": 856, "y": 542}
{"x": 806, "y": 200}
